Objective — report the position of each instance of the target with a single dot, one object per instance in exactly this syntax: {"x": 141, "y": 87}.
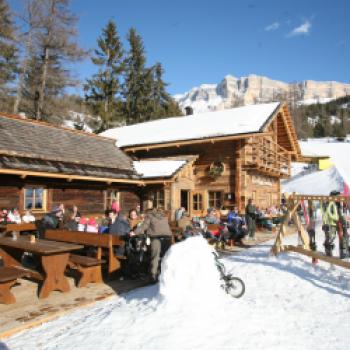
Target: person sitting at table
{"x": 134, "y": 219}
{"x": 76, "y": 213}
{"x": 3, "y": 215}
{"x": 28, "y": 217}
{"x": 14, "y": 216}
{"x": 50, "y": 221}
{"x": 211, "y": 217}
{"x": 237, "y": 228}
{"x": 69, "y": 222}
{"x": 92, "y": 226}
{"x": 119, "y": 224}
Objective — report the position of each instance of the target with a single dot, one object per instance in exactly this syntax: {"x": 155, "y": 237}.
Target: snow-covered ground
{"x": 337, "y": 151}
{"x": 289, "y": 304}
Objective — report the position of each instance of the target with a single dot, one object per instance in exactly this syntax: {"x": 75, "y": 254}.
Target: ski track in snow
{"x": 288, "y": 304}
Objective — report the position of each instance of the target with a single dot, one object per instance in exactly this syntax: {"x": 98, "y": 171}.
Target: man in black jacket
{"x": 250, "y": 215}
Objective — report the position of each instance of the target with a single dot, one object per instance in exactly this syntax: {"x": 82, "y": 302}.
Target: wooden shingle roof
{"x": 41, "y": 146}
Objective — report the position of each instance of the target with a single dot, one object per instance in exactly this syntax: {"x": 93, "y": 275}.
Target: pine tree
{"x": 103, "y": 89}
{"x": 137, "y": 82}
{"x": 31, "y": 21}
{"x": 319, "y": 130}
{"x": 54, "y": 47}
{"x": 8, "y": 50}
{"x": 164, "y": 104}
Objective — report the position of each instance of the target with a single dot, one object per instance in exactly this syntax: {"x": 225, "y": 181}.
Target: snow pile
{"x": 189, "y": 273}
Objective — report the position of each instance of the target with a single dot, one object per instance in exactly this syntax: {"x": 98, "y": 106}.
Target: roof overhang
{"x": 180, "y": 143}
{"x": 24, "y": 173}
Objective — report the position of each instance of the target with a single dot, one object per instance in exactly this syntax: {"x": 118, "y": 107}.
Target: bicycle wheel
{"x": 234, "y": 286}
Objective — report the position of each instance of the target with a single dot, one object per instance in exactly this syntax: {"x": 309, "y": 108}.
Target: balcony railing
{"x": 269, "y": 157}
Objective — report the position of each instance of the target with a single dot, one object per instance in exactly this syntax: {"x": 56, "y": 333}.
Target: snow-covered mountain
{"x": 233, "y": 91}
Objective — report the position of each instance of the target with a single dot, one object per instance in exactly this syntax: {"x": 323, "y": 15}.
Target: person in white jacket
{"x": 28, "y": 217}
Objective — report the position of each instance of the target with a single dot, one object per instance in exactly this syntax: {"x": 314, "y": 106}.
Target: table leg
{"x": 11, "y": 256}
{"x": 6, "y": 297}
{"x": 54, "y": 267}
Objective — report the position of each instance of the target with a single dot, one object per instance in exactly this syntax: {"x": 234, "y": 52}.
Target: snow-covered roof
{"x": 319, "y": 183}
{"x": 338, "y": 152}
{"x": 158, "y": 168}
{"x": 240, "y": 120}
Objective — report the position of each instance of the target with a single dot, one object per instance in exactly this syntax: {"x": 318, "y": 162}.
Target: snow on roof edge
{"x": 246, "y": 120}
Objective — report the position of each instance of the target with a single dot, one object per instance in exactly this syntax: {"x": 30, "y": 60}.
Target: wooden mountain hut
{"x": 228, "y": 157}
{"x": 42, "y": 165}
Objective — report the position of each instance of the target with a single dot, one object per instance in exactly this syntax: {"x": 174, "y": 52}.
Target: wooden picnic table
{"x": 53, "y": 257}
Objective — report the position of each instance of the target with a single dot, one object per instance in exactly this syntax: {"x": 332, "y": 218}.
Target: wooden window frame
{"x": 44, "y": 199}
{"x": 197, "y": 199}
{"x": 215, "y": 199}
{"x": 109, "y": 198}
{"x": 158, "y": 199}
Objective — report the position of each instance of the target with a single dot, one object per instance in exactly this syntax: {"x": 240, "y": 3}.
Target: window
{"x": 215, "y": 199}
{"x": 157, "y": 198}
{"x": 197, "y": 201}
{"x": 35, "y": 198}
{"x": 111, "y": 195}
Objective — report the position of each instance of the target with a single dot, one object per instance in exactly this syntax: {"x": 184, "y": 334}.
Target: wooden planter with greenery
{"x": 216, "y": 169}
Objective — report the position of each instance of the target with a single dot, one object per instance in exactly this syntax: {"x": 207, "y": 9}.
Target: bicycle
{"x": 233, "y": 286}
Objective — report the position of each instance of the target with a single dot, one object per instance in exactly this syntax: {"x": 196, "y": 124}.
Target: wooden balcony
{"x": 268, "y": 158}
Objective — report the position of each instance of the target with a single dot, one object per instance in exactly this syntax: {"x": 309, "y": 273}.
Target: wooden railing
{"x": 269, "y": 157}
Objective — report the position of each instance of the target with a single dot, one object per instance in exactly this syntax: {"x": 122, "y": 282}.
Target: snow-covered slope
{"x": 338, "y": 152}
{"x": 233, "y": 91}
{"x": 315, "y": 183}
{"x": 289, "y": 305}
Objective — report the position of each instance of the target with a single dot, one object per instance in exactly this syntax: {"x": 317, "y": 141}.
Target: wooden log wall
{"x": 129, "y": 200}
{"x": 10, "y": 197}
{"x": 87, "y": 201}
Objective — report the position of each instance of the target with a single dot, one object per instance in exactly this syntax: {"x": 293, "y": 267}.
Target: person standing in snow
{"x": 330, "y": 218}
{"x": 251, "y": 214}
{"x": 157, "y": 227}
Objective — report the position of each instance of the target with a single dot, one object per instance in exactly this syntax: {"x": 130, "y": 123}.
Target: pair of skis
{"x": 310, "y": 224}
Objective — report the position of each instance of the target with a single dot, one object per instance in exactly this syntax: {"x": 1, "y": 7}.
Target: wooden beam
{"x": 64, "y": 176}
{"x": 317, "y": 255}
{"x": 300, "y": 197}
{"x": 192, "y": 142}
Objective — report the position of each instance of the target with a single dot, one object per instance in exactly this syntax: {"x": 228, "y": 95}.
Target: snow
{"x": 239, "y": 120}
{"x": 289, "y": 304}
{"x": 298, "y": 167}
{"x": 337, "y": 151}
{"x": 158, "y": 168}
{"x": 312, "y": 101}
{"x": 319, "y": 183}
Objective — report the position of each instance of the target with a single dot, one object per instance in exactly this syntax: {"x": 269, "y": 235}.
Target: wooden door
{"x": 197, "y": 203}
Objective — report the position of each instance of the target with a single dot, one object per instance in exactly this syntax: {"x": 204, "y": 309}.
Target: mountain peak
{"x": 234, "y": 91}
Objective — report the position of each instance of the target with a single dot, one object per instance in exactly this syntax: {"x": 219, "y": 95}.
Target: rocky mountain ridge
{"x": 233, "y": 91}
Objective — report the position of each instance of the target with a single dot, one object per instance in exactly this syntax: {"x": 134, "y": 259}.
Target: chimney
{"x": 189, "y": 110}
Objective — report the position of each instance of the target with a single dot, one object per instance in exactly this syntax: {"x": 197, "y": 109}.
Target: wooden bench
{"x": 89, "y": 239}
{"x": 21, "y": 227}
{"x": 8, "y": 277}
{"x": 89, "y": 269}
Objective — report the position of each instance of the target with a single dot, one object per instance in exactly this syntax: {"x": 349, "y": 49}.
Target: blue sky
{"x": 202, "y": 41}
